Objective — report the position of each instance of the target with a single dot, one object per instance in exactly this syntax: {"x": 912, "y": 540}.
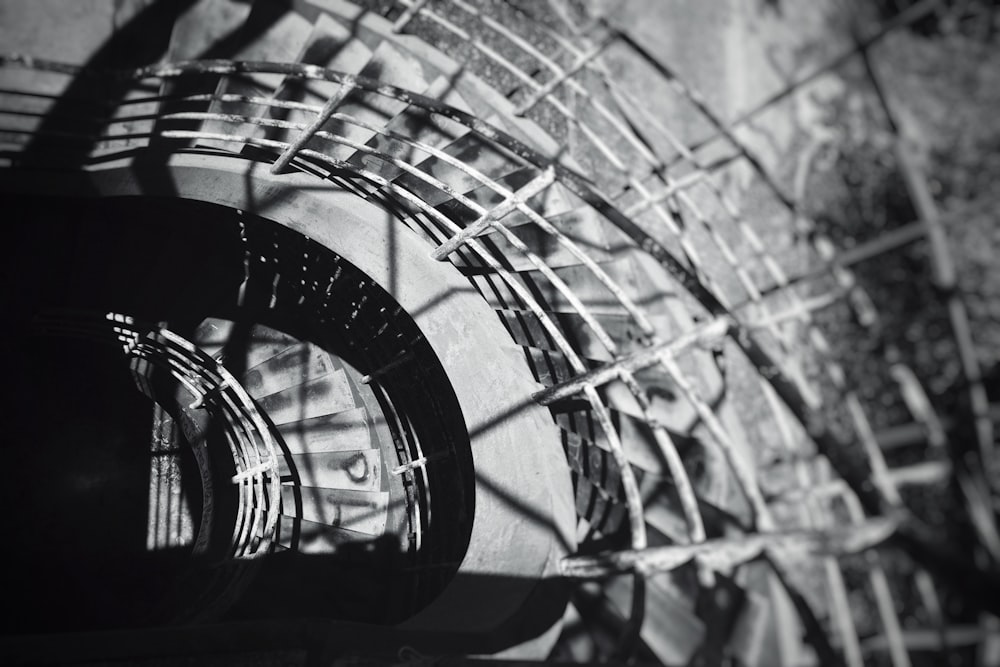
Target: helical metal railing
{"x": 658, "y": 213}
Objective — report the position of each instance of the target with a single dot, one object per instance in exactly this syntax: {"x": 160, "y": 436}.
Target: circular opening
{"x": 392, "y": 440}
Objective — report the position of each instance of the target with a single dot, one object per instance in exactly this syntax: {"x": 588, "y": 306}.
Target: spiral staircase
{"x": 452, "y": 346}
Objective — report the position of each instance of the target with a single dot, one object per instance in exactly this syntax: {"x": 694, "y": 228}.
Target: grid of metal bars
{"x": 790, "y": 397}
{"x": 215, "y": 389}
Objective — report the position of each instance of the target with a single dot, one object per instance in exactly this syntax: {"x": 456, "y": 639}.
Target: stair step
{"x": 344, "y": 431}
{"x": 544, "y": 246}
{"x": 548, "y": 368}
{"x": 133, "y": 122}
{"x": 261, "y": 343}
{"x": 417, "y": 124}
{"x": 201, "y": 27}
{"x": 389, "y": 66}
{"x": 264, "y": 344}
{"x": 551, "y": 202}
{"x": 603, "y": 513}
{"x": 587, "y": 459}
{"x": 360, "y": 511}
{"x": 359, "y": 470}
{"x": 279, "y": 41}
{"x": 470, "y": 150}
{"x": 319, "y": 396}
{"x": 212, "y": 336}
{"x": 289, "y": 368}
{"x": 206, "y": 30}
{"x": 329, "y": 45}
{"x": 483, "y": 101}
{"x": 310, "y": 537}
{"x": 527, "y": 330}
{"x": 667, "y": 406}
{"x": 671, "y": 629}
{"x": 487, "y": 101}
{"x": 661, "y": 509}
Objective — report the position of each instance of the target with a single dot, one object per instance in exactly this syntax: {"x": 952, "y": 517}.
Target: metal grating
{"x": 663, "y": 215}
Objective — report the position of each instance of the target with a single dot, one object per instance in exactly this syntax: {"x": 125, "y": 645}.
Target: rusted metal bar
{"x": 742, "y": 469}
{"x": 243, "y": 475}
{"x": 616, "y": 291}
{"x": 534, "y": 187}
{"x": 580, "y": 91}
{"x": 307, "y": 134}
{"x": 678, "y": 474}
{"x": 571, "y": 180}
{"x": 727, "y": 553}
{"x": 412, "y": 465}
{"x": 629, "y": 483}
{"x": 555, "y": 81}
{"x": 707, "y": 335}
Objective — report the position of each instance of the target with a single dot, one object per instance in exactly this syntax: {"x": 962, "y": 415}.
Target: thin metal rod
{"x": 551, "y": 85}
{"x": 728, "y": 552}
{"x": 534, "y": 187}
{"x": 408, "y": 15}
{"x": 707, "y": 335}
{"x": 307, "y": 134}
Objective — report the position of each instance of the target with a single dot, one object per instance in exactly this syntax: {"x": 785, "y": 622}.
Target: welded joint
{"x": 408, "y": 15}
{"x": 265, "y": 467}
{"x": 674, "y": 186}
{"x": 493, "y": 216}
{"x": 582, "y": 61}
{"x": 706, "y": 336}
{"x": 416, "y": 464}
{"x": 211, "y": 392}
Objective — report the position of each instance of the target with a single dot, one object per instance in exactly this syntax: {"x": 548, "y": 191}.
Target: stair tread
{"x": 279, "y": 41}
{"x": 246, "y": 349}
{"x": 545, "y": 247}
{"x": 483, "y": 101}
{"x": 212, "y": 335}
{"x": 289, "y": 368}
{"x": 671, "y": 629}
{"x": 359, "y": 470}
{"x": 329, "y": 45}
{"x": 328, "y": 394}
{"x": 472, "y": 151}
{"x": 345, "y": 431}
{"x": 360, "y": 511}
{"x": 201, "y": 32}
{"x": 547, "y": 368}
{"x": 203, "y": 25}
{"x": 418, "y": 125}
{"x": 597, "y": 507}
{"x": 314, "y": 537}
{"x": 527, "y": 330}
{"x": 387, "y": 65}
{"x": 553, "y": 201}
